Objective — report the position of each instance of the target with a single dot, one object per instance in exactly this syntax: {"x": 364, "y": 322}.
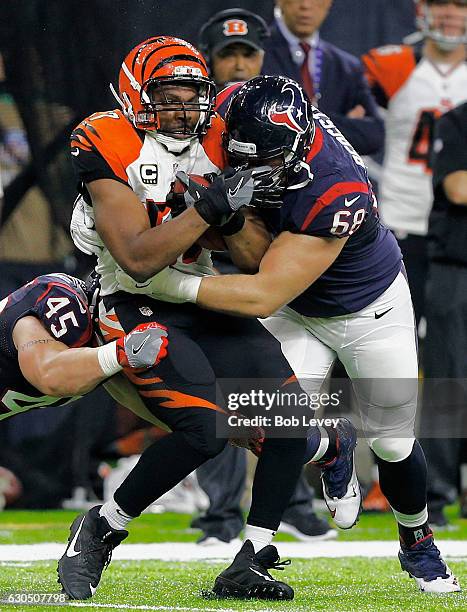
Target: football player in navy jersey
{"x": 331, "y": 284}
{"x": 46, "y": 357}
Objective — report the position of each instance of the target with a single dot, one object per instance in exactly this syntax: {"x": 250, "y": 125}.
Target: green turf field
{"x": 27, "y": 527}
{"x": 320, "y": 584}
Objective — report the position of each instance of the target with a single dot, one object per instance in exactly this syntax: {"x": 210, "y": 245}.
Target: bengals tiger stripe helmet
{"x": 160, "y": 61}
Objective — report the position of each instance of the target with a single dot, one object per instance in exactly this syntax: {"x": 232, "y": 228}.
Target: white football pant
{"x": 376, "y": 345}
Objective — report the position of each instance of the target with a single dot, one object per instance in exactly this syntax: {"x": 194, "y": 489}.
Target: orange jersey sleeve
{"x": 103, "y": 146}
{"x": 212, "y": 142}
{"x": 388, "y": 68}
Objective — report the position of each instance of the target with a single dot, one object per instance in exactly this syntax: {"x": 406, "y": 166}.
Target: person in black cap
{"x": 232, "y": 42}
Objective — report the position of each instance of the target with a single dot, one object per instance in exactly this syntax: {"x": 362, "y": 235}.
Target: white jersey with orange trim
{"x": 106, "y": 145}
{"x": 415, "y": 93}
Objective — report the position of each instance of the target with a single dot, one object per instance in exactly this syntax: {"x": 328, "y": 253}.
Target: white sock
{"x": 411, "y": 520}
{"x": 323, "y": 445}
{"x": 258, "y": 536}
{"x": 116, "y": 517}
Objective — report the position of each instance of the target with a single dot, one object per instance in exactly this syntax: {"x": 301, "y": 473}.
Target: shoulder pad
{"x": 390, "y": 67}
{"x": 212, "y": 142}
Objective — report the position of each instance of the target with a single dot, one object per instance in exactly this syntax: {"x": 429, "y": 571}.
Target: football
{"x": 178, "y": 187}
{"x": 212, "y": 239}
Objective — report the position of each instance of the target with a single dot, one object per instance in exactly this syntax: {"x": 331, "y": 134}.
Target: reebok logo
{"x": 135, "y": 351}
{"x": 378, "y": 315}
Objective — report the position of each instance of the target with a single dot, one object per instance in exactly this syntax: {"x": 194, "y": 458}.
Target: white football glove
{"x": 83, "y": 229}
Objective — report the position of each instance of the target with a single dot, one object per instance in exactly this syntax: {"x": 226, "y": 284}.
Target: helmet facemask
{"x": 156, "y": 99}
{"x": 427, "y": 25}
{"x": 277, "y": 172}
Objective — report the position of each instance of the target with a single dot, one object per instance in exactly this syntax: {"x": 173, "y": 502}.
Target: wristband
{"x": 188, "y": 287}
{"x": 234, "y": 225}
{"x": 107, "y": 356}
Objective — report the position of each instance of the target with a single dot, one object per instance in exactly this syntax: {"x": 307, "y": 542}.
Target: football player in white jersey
{"x": 126, "y": 161}
{"x": 416, "y": 85}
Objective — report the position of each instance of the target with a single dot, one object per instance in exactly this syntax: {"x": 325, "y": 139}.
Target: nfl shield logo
{"x": 146, "y": 311}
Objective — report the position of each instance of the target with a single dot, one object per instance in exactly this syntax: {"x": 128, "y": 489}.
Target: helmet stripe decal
{"x": 174, "y": 58}
{"x": 191, "y": 58}
{"x": 133, "y": 82}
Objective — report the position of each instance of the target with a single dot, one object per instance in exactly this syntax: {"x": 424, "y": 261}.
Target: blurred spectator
{"x": 446, "y": 308}
{"x": 233, "y": 41}
{"x": 416, "y": 85}
{"x": 14, "y": 152}
{"x": 332, "y": 78}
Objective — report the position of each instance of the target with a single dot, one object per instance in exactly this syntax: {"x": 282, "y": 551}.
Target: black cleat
{"x": 248, "y": 577}
{"x": 88, "y": 553}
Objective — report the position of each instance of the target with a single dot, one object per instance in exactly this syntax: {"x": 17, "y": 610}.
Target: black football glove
{"x": 180, "y": 201}
{"x": 228, "y": 193}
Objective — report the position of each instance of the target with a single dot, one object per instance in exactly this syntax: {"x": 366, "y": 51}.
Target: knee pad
{"x": 392, "y": 449}
{"x": 202, "y": 436}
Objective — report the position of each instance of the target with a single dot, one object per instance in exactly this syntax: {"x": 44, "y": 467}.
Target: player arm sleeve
{"x": 90, "y": 164}
{"x": 64, "y": 315}
{"x": 371, "y": 75}
{"x": 336, "y": 213}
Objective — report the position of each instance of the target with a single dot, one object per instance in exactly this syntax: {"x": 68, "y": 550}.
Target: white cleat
{"x": 439, "y": 585}
{"x": 341, "y": 489}
{"x": 423, "y": 563}
{"x": 345, "y": 510}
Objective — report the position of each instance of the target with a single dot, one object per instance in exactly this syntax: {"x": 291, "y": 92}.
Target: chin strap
{"x": 173, "y": 145}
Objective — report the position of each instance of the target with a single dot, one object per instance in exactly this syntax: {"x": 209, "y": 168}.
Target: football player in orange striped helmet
{"x": 164, "y": 87}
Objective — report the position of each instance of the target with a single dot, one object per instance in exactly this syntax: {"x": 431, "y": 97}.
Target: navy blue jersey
{"x": 59, "y": 302}
{"x": 338, "y": 202}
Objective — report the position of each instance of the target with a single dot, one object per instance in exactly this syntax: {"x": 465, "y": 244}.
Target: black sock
{"x": 404, "y": 482}
{"x": 163, "y": 465}
{"x": 410, "y": 536}
{"x": 277, "y": 472}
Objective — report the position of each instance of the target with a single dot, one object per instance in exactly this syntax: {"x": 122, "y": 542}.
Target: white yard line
{"x": 170, "y": 608}
{"x": 87, "y": 605}
{"x": 176, "y": 551}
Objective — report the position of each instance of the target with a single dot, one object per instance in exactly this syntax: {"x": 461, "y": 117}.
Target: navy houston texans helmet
{"x": 269, "y": 122}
